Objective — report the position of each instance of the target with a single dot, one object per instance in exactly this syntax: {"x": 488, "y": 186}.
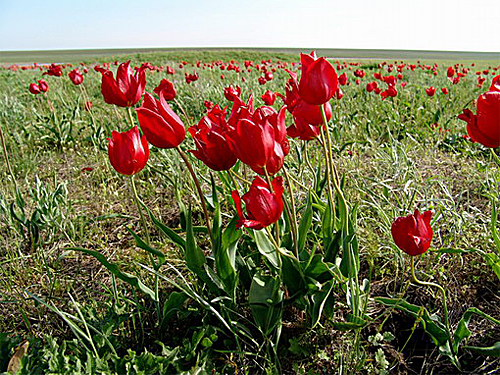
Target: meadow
{"x": 158, "y": 272}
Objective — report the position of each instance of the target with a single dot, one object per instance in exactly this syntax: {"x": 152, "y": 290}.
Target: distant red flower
{"x": 34, "y": 89}
{"x": 76, "y": 77}
{"x": 343, "y": 79}
{"x": 43, "y": 86}
{"x": 54, "y": 70}
{"x": 444, "y": 90}
{"x": 430, "y": 91}
{"x": 359, "y": 73}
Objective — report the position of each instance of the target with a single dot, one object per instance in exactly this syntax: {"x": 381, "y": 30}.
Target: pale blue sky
{"x": 463, "y": 25}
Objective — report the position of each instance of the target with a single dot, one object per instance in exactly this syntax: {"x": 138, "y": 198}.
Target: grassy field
{"x": 79, "y": 314}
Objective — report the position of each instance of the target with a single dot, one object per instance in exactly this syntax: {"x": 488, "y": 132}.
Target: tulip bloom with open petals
{"x": 128, "y": 152}
{"x": 263, "y": 206}
{"x": 211, "y": 145}
{"x": 318, "y": 82}
{"x": 168, "y": 89}
{"x": 268, "y": 97}
{"x": 484, "y": 126}
{"x": 126, "y": 89}
{"x": 430, "y": 91}
{"x": 160, "y": 124}
{"x": 34, "y": 89}
{"x": 413, "y": 233}
{"x": 76, "y": 77}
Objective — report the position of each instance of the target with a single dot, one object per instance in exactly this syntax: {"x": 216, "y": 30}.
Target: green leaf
{"x": 113, "y": 268}
{"x": 305, "y": 223}
{"x": 318, "y": 299}
{"x": 494, "y": 231}
{"x": 493, "y": 351}
{"x": 166, "y": 230}
{"x": 195, "y": 258}
{"x": 266, "y": 248}
{"x": 266, "y": 302}
{"x": 430, "y": 324}
{"x": 462, "y": 331}
{"x": 140, "y": 243}
{"x": 173, "y": 304}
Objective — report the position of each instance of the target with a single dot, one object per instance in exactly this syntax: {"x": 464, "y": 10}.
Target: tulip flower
{"x": 128, "y": 152}
{"x": 318, "y": 82}
{"x": 168, "y": 89}
{"x": 302, "y": 130}
{"x": 160, "y": 124}
{"x": 484, "y": 126}
{"x": 343, "y": 79}
{"x": 54, "y": 70}
{"x": 34, "y": 89}
{"x": 268, "y": 97}
{"x": 76, "y": 77}
{"x": 444, "y": 90}
{"x": 413, "y": 233}
{"x": 211, "y": 145}
{"x": 263, "y": 206}
{"x": 128, "y": 87}
{"x": 43, "y": 86}
{"x": 430, "y": 91}
{"x": 232, "y": 92}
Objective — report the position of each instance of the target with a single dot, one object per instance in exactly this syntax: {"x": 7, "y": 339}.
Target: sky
{"x": 459, "y": 25}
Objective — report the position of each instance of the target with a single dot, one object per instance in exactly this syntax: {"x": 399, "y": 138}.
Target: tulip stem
{"x": 6, "y": 154}
{"x": 141, "y": 215}
{"x": 231, "y": 177}
{"x": 183, "y": 112}
{"x": 276, "y": 225}
{"x": 198, "y": 188}
{"x": 130, "y": 117}
{"x": 308, "y": 163}
{"x": 443, "y": 292}
{"x": 241, "y": 178}
{"x": 293, "y": 215}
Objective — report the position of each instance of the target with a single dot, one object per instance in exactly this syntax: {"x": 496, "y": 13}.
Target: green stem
{"x": 130, "y": 117}
{"x": 232, "y": 179}
{"x": 198, "y": 188}
{"x": 293, "y": 215}
{"x": 6, "y": 154}
{"x": 139, "y": 208}
{"x": 308, "y": 163}
{"x": 241, "y": 178}
{"x": 443, "y": 293}
{"x": 276, "y": 225}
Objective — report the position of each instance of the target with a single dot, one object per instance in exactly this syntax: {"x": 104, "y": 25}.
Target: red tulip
{"x": 160, "y": 124}
{"x": 318, "y": 82}
{"x": 413, "y": 233}
{"x": 169, "y": 70}
{"x": 209, "y": 137}
{"x": 269, "y": 97}
{"x": 444, "y": 90}
{"x": 43, "y": 86}
{"x": 430, "y": 91}
{"x": 232, "y": 92}
{"x": 263, "y": 206}
{"x": 34, "y": 89}
{"x": 167, "y": 88}
{"x": 128, "y": 152}
{"x": 484, "y": 127}
{"x": 343, "y": 79}
{"x": 54, "y": 70}
{"x": 359, "y": 73}
{"x": 252, "y": 141}
{"x": 369, "y": 87}
{"x": 128, "y": 87}
{"x": 76, "y": 77}
{"x": 302, "y": 130}
{"x": 88, "y": 106}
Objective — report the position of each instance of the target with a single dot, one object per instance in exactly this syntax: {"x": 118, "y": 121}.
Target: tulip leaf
{"x": 166, "y": 230}
{"x": 462, "y": 331}
{"x": 195, "y": 258}
{"x": 140, "y": 243}
{"x": 293, "y": 278}
{"x": 494, "y": 231}
{"x": 266, "y": 299}
{"x": 305, "y": 223}
{"x": 318, "y": 299}
{"x": 266, "y": 248}
{"x": 430, "y": 324}
{"x": 173, "y": 304}
{"x": 493, "y": 351}
{"x": 113, "y": 268}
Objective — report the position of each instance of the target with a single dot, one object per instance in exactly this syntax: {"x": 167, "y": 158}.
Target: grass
{"x": 80, "y": 317}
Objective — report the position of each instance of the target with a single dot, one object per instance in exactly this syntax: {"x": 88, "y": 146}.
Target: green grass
{"x": 392, "y": 158}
